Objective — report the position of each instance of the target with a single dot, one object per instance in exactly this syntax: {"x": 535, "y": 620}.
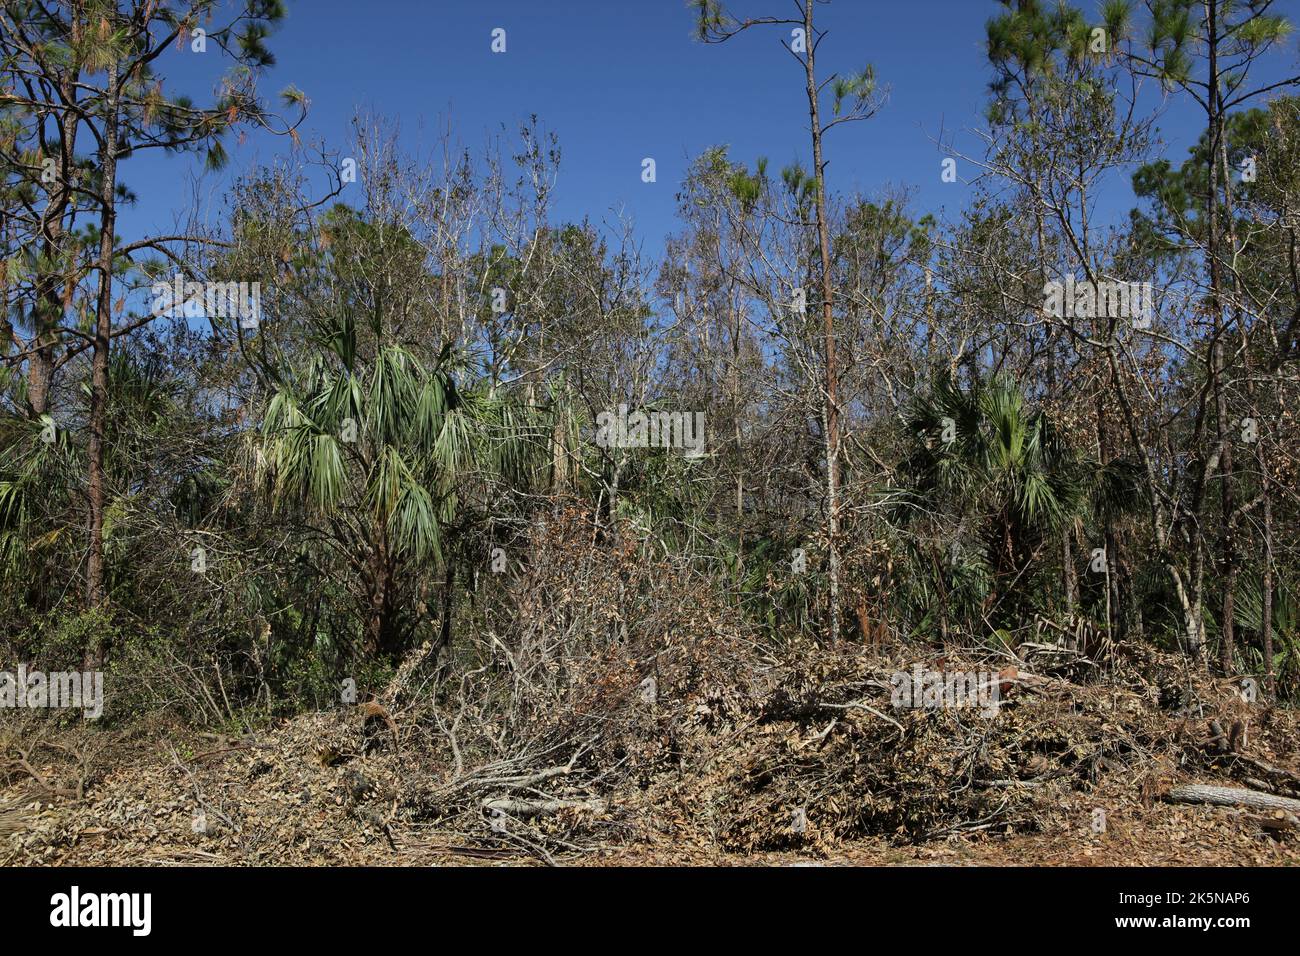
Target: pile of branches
{"x": 827, "y": 757}
{"x": 581, "y": 690}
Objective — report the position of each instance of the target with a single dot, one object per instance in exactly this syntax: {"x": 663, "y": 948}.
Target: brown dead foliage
{"x": 620, "y": 705}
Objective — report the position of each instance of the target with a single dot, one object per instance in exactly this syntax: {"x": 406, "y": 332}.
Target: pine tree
{"x": 91, "y": 65}
{"x": 856, "y": 97}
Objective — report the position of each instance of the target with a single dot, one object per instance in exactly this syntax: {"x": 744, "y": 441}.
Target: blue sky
{"x": 619, "y": 80}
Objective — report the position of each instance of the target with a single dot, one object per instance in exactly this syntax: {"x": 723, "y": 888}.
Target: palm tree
{"x": 1250, "y": 610}
{"x": 377, "y": 450}
{"x": 38, "y": 522}
{"x": 987, "y": 467}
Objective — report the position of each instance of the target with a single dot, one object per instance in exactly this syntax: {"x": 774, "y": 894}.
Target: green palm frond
{"x": 1248, "y": 608}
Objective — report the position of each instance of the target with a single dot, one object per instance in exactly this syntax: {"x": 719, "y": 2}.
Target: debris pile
{"x": 666, "y": 746}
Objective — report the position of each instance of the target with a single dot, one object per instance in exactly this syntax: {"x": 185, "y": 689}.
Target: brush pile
{"x": 807, "y": 754}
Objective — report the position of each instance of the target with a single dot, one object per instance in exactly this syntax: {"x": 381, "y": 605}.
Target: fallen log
{"x": 1233, "y": 797}
{"x": 533, "y": 808}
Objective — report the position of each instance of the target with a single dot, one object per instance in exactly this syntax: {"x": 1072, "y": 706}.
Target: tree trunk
{"x": 1217, "y": 369}
{"x": 448, "y": 610}
{"x": 1231, "y": 553}
{"x": 1232, "y": 797}
{"x": 95, "y": 589}
{"x": 378, "y": 620}
{"x": 1068, "y": 579}
{"x": 831, "y": 407}
{"x": 1266, "y": 625}
{"x": 559, "y": 445}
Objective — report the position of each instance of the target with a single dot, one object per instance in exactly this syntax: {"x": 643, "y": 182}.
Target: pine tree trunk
{"x": 1216, "y": 303}
{"x": 1231, "y": 553}
{"x": 831, "y": 406}
{"x": 95, "y": 589}
{"x": 1266, "y": 625}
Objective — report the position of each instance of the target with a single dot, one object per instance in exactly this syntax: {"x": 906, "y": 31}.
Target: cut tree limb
{"x": 1233, "y": 797}
{"x": 1279, "y": 778}
{"x": 532, "y": 808}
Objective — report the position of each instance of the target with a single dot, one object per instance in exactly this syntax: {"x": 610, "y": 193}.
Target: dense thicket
{"x": 237, "y": 517}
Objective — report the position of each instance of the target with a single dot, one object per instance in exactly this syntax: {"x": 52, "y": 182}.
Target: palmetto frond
{"x": 1248, "y": 609}
{"x": 984, "y": 447}
{"x": 30, "y": 465}
{"x": 390, "y": 436}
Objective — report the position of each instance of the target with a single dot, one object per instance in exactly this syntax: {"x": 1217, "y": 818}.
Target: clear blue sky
{"x": 618, "y": 80}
